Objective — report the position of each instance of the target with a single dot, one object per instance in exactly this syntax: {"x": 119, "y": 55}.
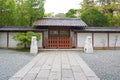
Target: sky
{"x": 61, "y": 6}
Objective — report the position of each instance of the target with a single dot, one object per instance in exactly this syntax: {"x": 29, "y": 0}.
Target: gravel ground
{"x": 11, "y": 61}
{"x": 105, "y": 63}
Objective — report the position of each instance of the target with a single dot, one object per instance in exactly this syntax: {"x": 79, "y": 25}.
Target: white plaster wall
{"x": 12, "y": 42}
{"x": 100, "y": 40}
{"x": 81, "y": 37}
{"x": 40, "y": 41}
{"x": 3, "y": 39}
{"x": 114, "y": 39}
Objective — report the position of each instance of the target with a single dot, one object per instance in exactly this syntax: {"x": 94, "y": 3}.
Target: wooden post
{"x": 7, "y": 39}
{"x": 108, "y": 38}
{"x": 76, "y": 40}
{"x": 93, "y": 39}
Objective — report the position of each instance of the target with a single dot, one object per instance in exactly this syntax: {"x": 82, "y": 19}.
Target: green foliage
{"x": 117, "y": 20}
{"x": 35, "y": 9}
{"x": 114, "y": 20}
{"x": 49, "y": 14}
{"x": 71, "y": 13}
{"x": 93, "y": 17}
{"x": 112, "y": 12}
{"x": 101, "y": 12}
{"x": 20, "y": 12}
{"x": 24, "y": 39}
{"x": 7, "y": 12}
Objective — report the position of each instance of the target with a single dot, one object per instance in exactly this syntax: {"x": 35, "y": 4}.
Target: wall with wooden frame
{"x": 11, "y": 42}
{"x": 3, "y": 39}
{"x": 81, "y": 38}
{"x": 114, "y": 39}
{"x": 7, "y": 41}
{"x": 105, "y": 40}
{"x": 100, "y": 40}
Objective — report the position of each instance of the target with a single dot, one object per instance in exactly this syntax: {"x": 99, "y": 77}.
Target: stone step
{"x": 73, "y": 49}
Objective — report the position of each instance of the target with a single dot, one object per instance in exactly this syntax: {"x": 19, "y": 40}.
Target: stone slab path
{"x": 56, "y": 65}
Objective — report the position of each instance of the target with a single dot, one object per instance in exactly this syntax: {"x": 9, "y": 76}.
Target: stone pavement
{"x": 56, "y": 65}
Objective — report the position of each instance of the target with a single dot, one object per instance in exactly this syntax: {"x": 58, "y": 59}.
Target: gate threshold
{"x": 73, "y": 49}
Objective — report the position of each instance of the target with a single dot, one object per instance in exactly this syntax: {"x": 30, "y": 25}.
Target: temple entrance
{"x": 58, "y": 39}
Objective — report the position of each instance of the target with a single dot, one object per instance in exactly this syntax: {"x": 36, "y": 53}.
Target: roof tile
{"x": 60, "y": 22}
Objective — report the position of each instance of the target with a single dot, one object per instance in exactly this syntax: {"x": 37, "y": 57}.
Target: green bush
{"x": 24, "y": 39}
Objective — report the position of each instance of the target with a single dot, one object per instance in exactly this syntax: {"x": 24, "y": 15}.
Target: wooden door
{"x": 58, "y": 42}
{"x": 58, "y": 38}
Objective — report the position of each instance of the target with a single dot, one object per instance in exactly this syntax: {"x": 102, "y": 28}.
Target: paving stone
{"x": 39, "y": 78}
{"x": 30, "y": 76}
{"x": 65, "y": 61}
{"x": 43, "y": 73}
{"x": 54, "y": 75}
{"x": 80, "y": 76}
{"x": 35, "y": 70}
{"x": 48, "y": 63}
{"x": 58, "y": 65}
{"x": 67, "y": 74}
{"x": 76, "y": 69}
{"x": 69, "y": 78}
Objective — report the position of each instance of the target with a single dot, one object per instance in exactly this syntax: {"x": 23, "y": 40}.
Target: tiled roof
{"x": 100, "y": 29}
{"x": 19, "y": 28}
{"x": 75, "y": 22}
{"x": 87, "y": 29}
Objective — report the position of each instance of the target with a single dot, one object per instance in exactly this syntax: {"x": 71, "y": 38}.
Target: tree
{"x": 114, "y": 20}
{"x": 49, "y": 14}
{"x": 86, "y": 4}
{"x": 72, "y": 13}
{"x": 20, "y": 12}
{"x": 35, "y": 10}
{"x": 110, "y": 9}
{"x": 94, "y": 18}
{"x": 7, "y": 12}
{"x": 24, "y": 39}
{"x": 2, "y": 4}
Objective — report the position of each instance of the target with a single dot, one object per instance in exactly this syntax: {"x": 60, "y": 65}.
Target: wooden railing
{"x": 58, "y": 42}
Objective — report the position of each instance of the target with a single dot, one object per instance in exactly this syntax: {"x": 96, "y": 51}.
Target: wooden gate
{"x": 58, "y": 42}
